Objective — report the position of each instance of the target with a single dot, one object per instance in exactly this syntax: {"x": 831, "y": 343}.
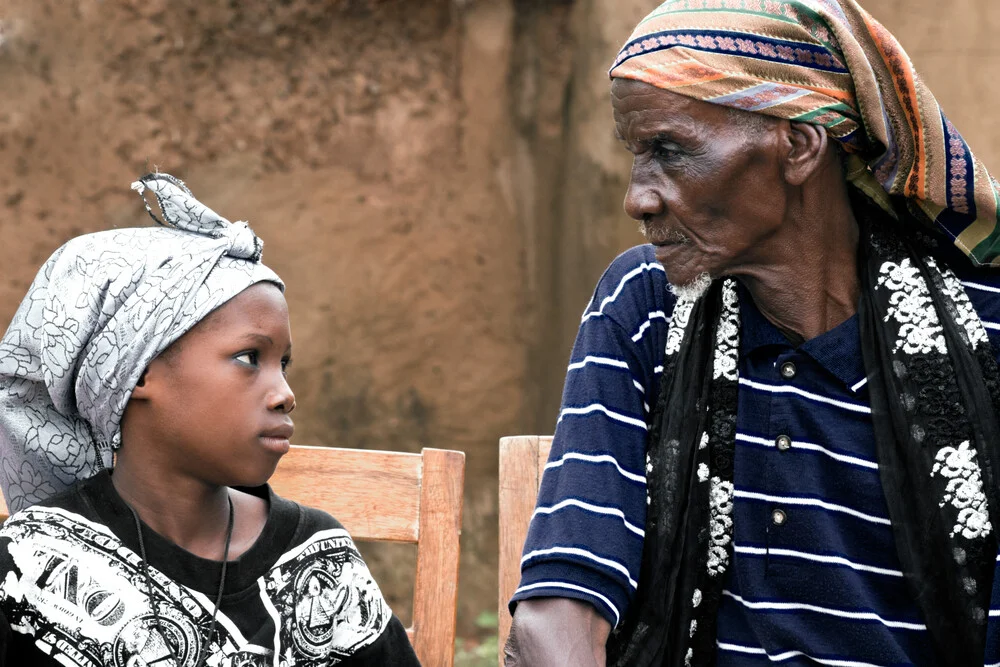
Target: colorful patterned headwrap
{"x": 101, "y": 308}
{"x": 829, "y": 63}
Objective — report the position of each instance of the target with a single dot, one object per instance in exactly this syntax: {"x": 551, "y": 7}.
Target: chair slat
{"x": 374, "y": 494}
{"x": 522, "y": 462}
{"x": 435, "y": 593}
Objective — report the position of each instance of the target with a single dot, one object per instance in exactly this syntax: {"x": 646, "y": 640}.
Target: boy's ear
{"x": 141, "y": 391}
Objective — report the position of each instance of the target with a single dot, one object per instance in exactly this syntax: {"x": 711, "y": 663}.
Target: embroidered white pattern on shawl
{"x": 728, "y": 334}
{"x": 678, "y": 324}
{"x": 964, "y": 490}
{"x": 965, "y": 315}
{"x": 920, "y": 331}
{"x": 702, "y": 472}
{"x": 704, "y": 441}
{"x": 721, "y": 525}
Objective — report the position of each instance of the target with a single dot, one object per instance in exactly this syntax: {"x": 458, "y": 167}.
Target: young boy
{"x": 167, "y": 347}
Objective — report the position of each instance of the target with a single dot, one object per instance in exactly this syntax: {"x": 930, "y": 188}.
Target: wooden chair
{"x": 522, "y": 462}
{"x": 392, "y": 497}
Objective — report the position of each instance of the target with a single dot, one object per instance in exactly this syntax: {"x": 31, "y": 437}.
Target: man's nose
{"x": 642, "y": 200}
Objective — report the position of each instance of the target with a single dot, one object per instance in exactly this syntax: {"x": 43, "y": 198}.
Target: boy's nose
{"x": 283, "y": 398}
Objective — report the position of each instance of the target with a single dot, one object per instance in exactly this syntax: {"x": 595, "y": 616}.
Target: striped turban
{"x": 101, "y": 308}
{"x": 829, "y": 63}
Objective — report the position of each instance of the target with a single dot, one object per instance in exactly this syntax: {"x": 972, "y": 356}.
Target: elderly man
{"x": 779, "y": 439}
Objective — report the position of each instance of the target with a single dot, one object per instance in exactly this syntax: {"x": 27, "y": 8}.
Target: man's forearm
{"x": 556, "y": 632}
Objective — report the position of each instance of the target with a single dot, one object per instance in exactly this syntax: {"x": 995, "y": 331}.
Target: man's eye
{"x": 249, "y": 358}
{"x": 665, "y": 151}
{"x": 285, "y": 363}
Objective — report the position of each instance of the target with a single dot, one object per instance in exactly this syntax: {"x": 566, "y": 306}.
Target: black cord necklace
{"x": 218, "y": 598}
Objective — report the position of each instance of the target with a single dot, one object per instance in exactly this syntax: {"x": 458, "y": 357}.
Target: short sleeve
{"x": 586, "y": 535}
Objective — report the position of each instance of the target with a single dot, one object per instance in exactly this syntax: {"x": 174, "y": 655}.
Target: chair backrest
{"x": 522, "y": 462}
{"x": 392, "y": 497}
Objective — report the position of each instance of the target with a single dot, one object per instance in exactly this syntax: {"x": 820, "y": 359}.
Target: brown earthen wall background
{"x": 436, "y": 180}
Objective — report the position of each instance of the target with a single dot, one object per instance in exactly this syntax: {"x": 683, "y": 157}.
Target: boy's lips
{"x": 277, "y": 438}
{"x": 282, "y": 431}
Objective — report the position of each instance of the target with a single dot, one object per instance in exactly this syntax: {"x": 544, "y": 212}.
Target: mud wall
{"x": 436, "y": 181}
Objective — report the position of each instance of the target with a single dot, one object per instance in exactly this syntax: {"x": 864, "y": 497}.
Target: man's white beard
{"x": 694, "y": 289}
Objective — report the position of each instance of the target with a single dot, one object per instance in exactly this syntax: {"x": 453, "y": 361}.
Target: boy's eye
{"x": 285, "y": 363}
{"x": 249, "y": 358}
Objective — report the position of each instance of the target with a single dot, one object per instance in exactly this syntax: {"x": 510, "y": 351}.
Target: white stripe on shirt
{"x": 991, "y": 325}
{"x": 981, "y": 287}
{"x": 593, "y": 509}
{"x": 819, "y": 558}
{"x": 798, "y": 444}
{"x": 829, "y": 611}
{"x": 571, "y": 587}
{"x": 611, "y": 414}
{"x": 596, "y": 458}
{"x": 621, "y": 284}
{"x": 787, "y": 389}
{"x": 658, "y": 315}
{"x": 781, "y": 657}
{"x": 600, "y": 361}
{"x": 583, "y": 553}
{"x": 813, "y": 502}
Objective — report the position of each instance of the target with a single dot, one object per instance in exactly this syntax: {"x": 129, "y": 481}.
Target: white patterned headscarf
{"x": 98, "y": 312}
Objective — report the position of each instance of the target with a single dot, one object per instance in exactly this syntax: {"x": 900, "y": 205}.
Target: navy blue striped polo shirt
{"x": 815, "y": 577}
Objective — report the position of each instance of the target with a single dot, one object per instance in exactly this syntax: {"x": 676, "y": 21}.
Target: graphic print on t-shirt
{"x": 84, "y": 597}
{"x": 324, "y": 601}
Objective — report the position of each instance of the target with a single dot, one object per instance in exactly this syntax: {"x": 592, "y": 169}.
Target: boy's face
{"x": 216, "y": 403}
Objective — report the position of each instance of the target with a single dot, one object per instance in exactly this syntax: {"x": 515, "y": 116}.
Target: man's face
{"x": 218, "y": 398}
{"x": 708, "y": 192}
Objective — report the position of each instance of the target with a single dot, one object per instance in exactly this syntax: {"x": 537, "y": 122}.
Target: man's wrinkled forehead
{"x": 642, "y": 110}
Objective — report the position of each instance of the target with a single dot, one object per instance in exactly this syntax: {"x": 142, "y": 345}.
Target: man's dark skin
{"x": 765, "y": 202}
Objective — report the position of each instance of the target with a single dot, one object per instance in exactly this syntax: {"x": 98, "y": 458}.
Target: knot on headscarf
{"x": 181, "y": 210}
{"x": 99, "y": 311}
{"x": 829, "y": 63}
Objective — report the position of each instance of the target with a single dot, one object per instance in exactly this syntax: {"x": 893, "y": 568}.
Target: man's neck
{"x": 188, "y": 512}
{"x": 809, "y": 283}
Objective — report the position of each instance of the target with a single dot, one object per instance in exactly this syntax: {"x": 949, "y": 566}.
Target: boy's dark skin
{"x": 210, "y": 413}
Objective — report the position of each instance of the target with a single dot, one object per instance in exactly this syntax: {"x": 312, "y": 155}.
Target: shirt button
{"x": 778, "y": 517}
{"x": 783, "y": 442}
{"x": 788, "y": 370}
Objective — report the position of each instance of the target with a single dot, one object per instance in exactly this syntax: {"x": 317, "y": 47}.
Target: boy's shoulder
{"x": 313, "y": 527}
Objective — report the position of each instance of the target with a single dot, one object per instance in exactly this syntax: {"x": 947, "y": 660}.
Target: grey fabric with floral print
{"x": 99, "y": 310}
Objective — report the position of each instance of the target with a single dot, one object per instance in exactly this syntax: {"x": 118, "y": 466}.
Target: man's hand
{"x": 556, "y": 632}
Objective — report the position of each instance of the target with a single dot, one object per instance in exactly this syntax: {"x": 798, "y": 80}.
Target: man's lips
{"x": 663, "y": 251}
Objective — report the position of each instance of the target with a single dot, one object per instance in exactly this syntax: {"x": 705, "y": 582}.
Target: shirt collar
{"x": 837, "y": 350}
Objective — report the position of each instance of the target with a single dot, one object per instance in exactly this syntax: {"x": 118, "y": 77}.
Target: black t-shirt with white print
{"x": 74, "y": 591}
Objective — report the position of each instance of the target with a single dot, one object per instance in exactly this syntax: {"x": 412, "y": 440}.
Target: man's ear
{"x": 806, "y": 149}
